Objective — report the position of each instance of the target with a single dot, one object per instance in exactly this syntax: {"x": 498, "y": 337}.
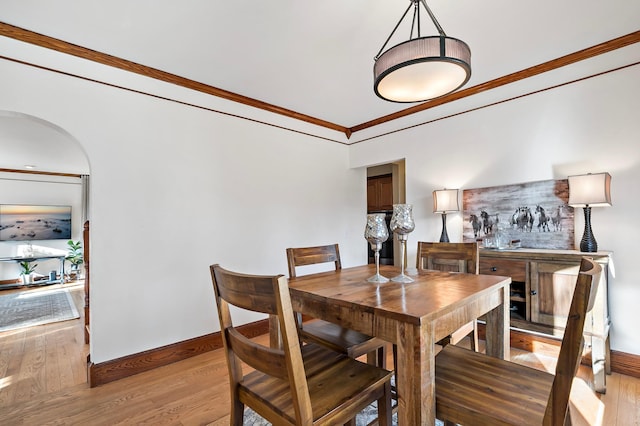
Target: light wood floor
{"x": 43, "y": 382}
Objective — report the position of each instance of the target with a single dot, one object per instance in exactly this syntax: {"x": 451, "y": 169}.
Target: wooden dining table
{"x": 413, "y": 316}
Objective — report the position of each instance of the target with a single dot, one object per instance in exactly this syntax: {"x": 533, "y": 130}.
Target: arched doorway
{"x": 41, "y": 163}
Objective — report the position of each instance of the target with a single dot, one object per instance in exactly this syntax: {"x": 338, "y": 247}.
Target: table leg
{"x": 62, "y": 270}
{"x": 415, "y": 375}
{"x": 497, "y": 328}
{"x": 599, "y": 360}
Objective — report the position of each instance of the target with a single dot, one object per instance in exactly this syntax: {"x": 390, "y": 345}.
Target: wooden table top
{"x": 431, "y": 295}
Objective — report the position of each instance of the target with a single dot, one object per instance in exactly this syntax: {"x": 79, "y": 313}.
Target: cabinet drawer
{"x": 516, "y": 269}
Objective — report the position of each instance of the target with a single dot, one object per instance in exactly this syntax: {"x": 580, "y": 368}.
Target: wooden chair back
{"x": 572, "y": 341}
{"x": 292, "y": 384}
{"x": 324, "y": 333}
{"x": 452, "y": 257}
{"x": 303, "y": 256}
{"x": 455, "y": 257}
{"x": 269, "y": 295}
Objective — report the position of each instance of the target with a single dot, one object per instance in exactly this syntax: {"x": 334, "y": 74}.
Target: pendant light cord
{"x": 416, "y": 18}
{"x": 433, "y": 18}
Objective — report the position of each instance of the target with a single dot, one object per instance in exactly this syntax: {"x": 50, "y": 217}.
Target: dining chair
{"x": 476, "y": 389}
{"x": 291, "y": 385}
{"x": 330, "y": 335}
{"x": 455, "y": 257}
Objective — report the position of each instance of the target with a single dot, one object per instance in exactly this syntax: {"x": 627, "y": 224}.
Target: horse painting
{"x": 556, "y": 219}
{"x": 476, "y": 224}
{"x": 515, "y": 211}
{"x": 522, "y": 219}
{"x": 488, "y": 221}
{"x": 543, "y": 219}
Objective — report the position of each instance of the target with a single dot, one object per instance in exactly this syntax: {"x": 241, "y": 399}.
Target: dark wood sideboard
{"x": 541, "y": 291}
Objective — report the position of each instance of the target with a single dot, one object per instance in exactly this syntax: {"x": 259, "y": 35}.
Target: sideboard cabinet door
{"x": 552, "y": 286}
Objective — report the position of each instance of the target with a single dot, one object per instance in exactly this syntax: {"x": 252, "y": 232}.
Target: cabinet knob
{"x": 534, "y": 292}
{"x": 494, "y": 269}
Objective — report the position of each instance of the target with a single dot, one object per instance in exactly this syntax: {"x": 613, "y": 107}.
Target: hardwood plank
{"x": 611, "y": 400}
{"x": 628, "y": 408}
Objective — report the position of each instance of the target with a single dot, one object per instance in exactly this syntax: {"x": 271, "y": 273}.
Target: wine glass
{"x": 376, "y": 233}
{"x": 402, "y": 224}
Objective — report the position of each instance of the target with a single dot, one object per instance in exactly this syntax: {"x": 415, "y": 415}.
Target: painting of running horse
{"x": 536, "y": 214}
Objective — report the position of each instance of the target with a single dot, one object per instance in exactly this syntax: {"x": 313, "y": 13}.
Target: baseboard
{"x": 621, "y": 362}
{"x": 129, "y": 365}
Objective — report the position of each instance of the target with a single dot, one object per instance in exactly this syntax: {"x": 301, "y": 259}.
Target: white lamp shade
{"x": 592, "y": 190}
{"x": 445, "y": 200}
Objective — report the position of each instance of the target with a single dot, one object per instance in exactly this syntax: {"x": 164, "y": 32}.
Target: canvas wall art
{"x": 20, "y": 222}
{"x": 535, "y": 213}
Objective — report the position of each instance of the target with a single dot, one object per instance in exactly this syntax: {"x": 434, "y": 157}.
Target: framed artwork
{"x": 535, "y": 214}
{"x": 20, "y": 222}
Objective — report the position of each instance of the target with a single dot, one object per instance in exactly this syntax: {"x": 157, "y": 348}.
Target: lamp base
{"x": 588, "y": 243}
{"x": 444, "y": 237}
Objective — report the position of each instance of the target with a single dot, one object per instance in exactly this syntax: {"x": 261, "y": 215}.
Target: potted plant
{"x": 27, "y": 269}
{"x": 74, "y": 256}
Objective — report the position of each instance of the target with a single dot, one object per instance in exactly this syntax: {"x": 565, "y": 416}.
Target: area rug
{"x": 365, "y": 417}
{"x": 29, "y": 308}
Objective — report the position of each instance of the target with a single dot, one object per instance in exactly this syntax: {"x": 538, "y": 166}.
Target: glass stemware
{"x": 375, "y": 232}
{"x": 402, "y": 224}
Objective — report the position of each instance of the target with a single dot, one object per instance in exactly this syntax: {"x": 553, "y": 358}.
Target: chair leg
{"x": 378, "y": 357}
{"x": 385, "y": 409}
{"x": 474, "y": 338}
{"x": 237, "y": 413}
{"x": 394, "y": 389}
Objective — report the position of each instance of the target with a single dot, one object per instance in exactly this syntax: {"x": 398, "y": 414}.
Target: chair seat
{"x": 471, "y": 384}
{"x": 340, "y": 339}
{"x": 333, "y": 380}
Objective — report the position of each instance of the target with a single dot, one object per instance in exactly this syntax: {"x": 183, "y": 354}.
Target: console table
{"x": 542, "y": 284}
{"x": 18, "y": 259}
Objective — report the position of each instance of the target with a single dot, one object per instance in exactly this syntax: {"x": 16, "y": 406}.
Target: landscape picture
{"x": 535, "y": 213}
{"x": 30, "y": 222}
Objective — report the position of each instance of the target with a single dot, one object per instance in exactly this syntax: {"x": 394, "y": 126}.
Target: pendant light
{"x": 421, "y": 68}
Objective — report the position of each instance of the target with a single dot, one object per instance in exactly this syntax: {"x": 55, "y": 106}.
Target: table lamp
{"x": 445, "y": 200}
{"x": 586, "y": 191}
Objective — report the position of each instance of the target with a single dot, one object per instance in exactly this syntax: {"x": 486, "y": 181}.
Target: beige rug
{"x": 30, "y": 308}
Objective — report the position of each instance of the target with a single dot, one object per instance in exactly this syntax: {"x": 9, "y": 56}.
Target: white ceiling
{"x": 316, "y": 57}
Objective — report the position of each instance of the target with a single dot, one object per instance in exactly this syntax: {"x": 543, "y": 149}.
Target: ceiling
{"x": 315, "y": 59}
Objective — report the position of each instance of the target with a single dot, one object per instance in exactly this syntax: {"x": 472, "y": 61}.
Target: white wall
{"x": 591, "y": 126}
{"x": 43, "y": 190}
{"x": 175, "y": 189}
